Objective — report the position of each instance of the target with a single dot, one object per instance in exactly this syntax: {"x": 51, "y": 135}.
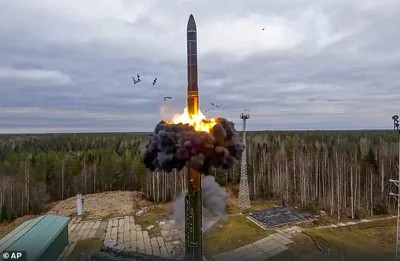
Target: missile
{"x": 192, "y": 89}
{"x": 193, "y": 200}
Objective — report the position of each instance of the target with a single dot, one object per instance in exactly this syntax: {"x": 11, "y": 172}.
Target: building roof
{"x": 34, "y": 236}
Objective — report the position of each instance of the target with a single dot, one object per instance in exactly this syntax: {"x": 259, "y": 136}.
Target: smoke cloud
{"x": 214, "y": 203}
{"x": 167, "y": 111}
{"x": 179, "y": 145}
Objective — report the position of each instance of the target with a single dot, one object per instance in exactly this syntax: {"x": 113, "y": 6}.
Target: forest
{"x": 345, "y": 173}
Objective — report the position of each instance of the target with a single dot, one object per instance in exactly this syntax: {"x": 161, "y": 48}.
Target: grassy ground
{"x": 374, "y": 239}
{"x": 85, "y": 247}
{"x": 232, "y": 233}
{"x": 255, "y": 205}
{"x": 303, "y": 249}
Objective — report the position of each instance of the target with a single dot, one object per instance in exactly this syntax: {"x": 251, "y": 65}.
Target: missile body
{"x": 192, "y": 89}
{"x": 193, "y": 199}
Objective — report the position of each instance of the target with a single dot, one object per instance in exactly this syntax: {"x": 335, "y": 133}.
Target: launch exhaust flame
{"x": 198, "y": 121}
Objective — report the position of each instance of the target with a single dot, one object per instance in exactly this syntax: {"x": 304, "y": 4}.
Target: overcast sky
{"x": 67, "y": 65}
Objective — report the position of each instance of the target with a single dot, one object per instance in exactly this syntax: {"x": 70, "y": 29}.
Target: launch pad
{"x": 278, "y": 216}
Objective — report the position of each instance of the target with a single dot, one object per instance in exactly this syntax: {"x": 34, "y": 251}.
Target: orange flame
{"x": 198, "y": 121}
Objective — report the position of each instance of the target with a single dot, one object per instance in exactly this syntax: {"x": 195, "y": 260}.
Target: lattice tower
{"x": 244, "y": 193}
{"x": 397, "y": 195}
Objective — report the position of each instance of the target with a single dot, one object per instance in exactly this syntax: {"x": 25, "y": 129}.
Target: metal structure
{"x": 397, "y": 195}
{"x": 193, "y": 199}
{"x": 244, "y": 194}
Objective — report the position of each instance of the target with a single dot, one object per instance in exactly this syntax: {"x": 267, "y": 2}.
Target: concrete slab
{"x": 277, "y": 250}
{"x": 127, "y": 238}
{"x": 282, "y": 239}
{"x": 269, "y": 247}
{"x": 160, "y": 241}
{"x": 156, "y": 251}
{"x": 226, "y": 256}
{"x": 139, "y": 235}
{"x": 88, "y": 230}
{"x": 133, "y": 245}
{"x": 248, "y": 251}
{"x": 133, "y": 235}
{"x": 147, "y": 244}
{"x": 120, "y": 238}
{"x": 243, "y": 248}
{"x": 71, "y": 227}
{"x": 98, "y": 229}
{"x": 164, "y": 252}
{"x": 140, "y": 246}
{"x": 263, "y": 241}
{"x": 257, "y": 255}
{"x": 68, "y": 252}
{"x": 153, "y": 242}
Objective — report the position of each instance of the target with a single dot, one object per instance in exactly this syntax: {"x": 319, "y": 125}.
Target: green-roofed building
{"x": 43, "y": 238}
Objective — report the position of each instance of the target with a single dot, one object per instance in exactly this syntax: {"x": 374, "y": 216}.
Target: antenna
{"x": 244, "y": 194}
{"x": 395, "y": 119}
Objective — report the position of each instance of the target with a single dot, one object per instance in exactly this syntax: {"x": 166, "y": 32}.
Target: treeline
{"x": 38, "y": 169}
{"x": 341, "y": 172}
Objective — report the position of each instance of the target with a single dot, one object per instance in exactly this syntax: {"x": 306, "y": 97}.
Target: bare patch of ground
{"x": 103, "y": 205}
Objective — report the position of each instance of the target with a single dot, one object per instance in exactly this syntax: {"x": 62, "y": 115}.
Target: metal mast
{"x": 397, "y": 183}
{"x": 244, "y": 194}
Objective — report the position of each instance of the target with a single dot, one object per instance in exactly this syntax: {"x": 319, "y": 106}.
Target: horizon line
{"x": 149, "y": 132}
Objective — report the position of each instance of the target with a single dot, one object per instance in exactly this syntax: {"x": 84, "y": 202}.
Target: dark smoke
{"x": 174, "y": 146}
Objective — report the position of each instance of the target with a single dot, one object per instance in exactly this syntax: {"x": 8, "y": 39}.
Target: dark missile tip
{"x": 191, "y": 23}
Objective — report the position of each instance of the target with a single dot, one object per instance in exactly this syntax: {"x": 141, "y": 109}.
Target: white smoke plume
{"x": 215, "y": 199}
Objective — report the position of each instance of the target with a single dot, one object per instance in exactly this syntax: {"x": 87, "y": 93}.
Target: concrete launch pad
{"x": 278, "y": 216}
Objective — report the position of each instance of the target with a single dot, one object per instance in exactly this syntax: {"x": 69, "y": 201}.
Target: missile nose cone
{"x": 191, "y": 23}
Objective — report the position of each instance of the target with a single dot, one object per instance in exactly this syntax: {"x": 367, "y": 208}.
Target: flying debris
{"x": 211, "y": 109}
{"x": 138, "y": 79}
{"x": 154, "y": 82}
{"x": 246, "y": 110}
{"x": 167, "y": 97}
{"x": 214, "y": 105}
{"x": 263, "y": 29}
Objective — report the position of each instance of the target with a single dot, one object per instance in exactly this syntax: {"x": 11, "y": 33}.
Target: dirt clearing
{"x": 103, "y": 205}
